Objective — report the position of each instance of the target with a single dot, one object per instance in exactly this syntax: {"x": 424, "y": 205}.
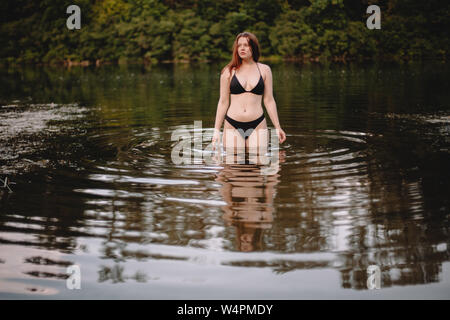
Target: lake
{"x": 361, "y": 182}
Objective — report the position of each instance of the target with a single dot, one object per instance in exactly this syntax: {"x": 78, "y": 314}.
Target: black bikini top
{"x": 237, "y": 88}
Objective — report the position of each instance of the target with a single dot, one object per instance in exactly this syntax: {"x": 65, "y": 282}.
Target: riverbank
{"x": 272, "y": 59}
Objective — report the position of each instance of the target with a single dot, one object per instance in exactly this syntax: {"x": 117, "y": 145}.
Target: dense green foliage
{"x": 189, "y": 30}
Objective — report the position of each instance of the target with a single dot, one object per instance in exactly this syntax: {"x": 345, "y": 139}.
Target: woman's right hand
{"x": 281, "y": 135}
{"x": 215, "y": 139}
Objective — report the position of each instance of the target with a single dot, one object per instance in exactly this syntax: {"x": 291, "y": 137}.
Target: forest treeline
{"x": 204, "y": 30}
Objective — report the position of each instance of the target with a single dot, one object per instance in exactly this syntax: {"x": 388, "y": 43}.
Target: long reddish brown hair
{"x": 236, "y": 60}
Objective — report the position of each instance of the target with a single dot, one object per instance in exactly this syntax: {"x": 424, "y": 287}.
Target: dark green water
{"x": 363, "y": 179}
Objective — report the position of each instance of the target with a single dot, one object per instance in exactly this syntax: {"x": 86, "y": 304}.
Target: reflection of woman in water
{"x": 246, "y": 81}
{"x": 249, "y": 197}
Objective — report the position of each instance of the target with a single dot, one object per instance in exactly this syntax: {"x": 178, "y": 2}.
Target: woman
{"x": 246, "y": 81}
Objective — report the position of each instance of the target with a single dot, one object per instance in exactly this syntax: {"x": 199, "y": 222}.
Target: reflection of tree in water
{"x": 115, "y": 274}
{"x": 249, "y": 196}
{"x": 404, "y": 256}
{"x": 406, "y": 234}
{"x": 59, "y": 265}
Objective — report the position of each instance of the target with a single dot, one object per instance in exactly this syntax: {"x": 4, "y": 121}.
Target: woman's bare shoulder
{"x": 265, "y": 67}
{"x": 265, "y": 70}
{"x": 225, "y": 72}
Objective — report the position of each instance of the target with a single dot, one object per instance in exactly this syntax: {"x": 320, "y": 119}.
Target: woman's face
{"x": 244, "y": 49}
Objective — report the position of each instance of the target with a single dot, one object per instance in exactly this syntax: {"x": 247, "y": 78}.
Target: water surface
{"x": 362, "y": 180}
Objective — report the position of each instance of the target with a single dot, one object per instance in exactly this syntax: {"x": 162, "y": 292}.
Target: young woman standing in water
{"x": 247, "y": 83}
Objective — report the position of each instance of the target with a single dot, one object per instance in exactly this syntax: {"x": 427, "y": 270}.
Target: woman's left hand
{"x": 281, "y": 135}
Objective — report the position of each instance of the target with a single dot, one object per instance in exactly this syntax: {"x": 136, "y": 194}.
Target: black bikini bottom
{"x": 245, "y": 128}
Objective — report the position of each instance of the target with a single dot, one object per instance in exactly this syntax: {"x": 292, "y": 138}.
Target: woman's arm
{"x": 271, "y": 105}
{"x": 222, "y": 106}
{"x": 224, "y": 99}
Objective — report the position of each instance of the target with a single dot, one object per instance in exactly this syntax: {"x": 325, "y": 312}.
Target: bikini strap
{"x": 258, "y": 69}
{"x": 234, "y": 69}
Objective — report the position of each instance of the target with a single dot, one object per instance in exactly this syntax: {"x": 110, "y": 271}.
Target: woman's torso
{"x": 246, "y": 106}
